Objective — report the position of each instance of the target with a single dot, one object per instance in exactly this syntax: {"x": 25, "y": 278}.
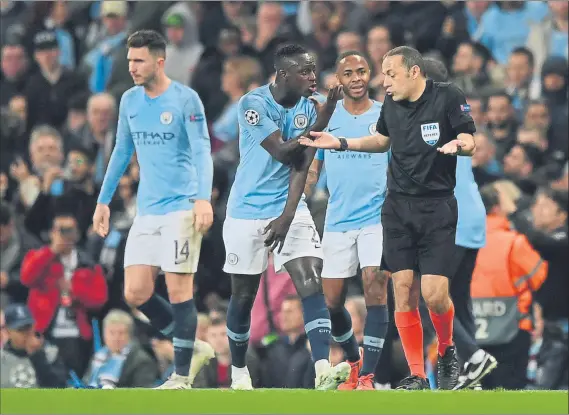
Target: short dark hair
{"x": 411, "y": 57}
{"x": 490, "y": 197}
{"x": 522, "y": 50}
{"x": 151, "y": 39}
{"x": 287, "y": 51}
{"x": 436, "y": 70}
{"x": 532, "y": 154}
{"x": 5, "y": 214}
{"x": 501, "y": 93}
{"x": 560, "y": 197}
{"x": 351, "y": 53}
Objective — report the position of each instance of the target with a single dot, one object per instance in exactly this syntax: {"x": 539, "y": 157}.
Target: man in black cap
{"x": 49, "y": 90}
{"x": 26, "y": 360}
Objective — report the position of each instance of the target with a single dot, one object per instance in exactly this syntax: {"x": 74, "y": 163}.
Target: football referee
{"x": 426, "y": 124}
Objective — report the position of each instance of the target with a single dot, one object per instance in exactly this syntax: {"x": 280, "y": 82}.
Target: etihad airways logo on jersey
{"x": 151, "y": 138}
{"x": 350, "y": 155}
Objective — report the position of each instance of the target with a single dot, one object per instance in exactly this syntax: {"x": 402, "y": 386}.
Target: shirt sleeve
{"x": 120, "y": 158}
{"x": 381, "y": 126}
{"x": 200, "y": 145}
{"x": 319, "y": 154}
{"x": 458, "y": 111}
{"x": 254, "y": 119}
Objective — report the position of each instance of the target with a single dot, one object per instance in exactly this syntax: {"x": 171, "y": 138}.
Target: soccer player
{"x": 352, "y": 233}
{"x": 470, "y": 237}
{"x": 164, "y": 122}
{"x": 425, "y": 124}
{"x": 266, "y": 210}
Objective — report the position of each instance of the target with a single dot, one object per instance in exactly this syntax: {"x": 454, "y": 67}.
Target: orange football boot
{"x": 352, "y": 382}
{"x": 365, "y": 383}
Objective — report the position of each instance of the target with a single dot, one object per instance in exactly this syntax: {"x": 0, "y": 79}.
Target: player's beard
{"x": 149, "y": 81}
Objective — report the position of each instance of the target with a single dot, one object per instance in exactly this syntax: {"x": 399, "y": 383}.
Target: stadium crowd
{"x": 63, "y": 71}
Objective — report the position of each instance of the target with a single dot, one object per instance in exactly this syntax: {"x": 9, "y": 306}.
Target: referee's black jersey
{"x": 416, "y": 130}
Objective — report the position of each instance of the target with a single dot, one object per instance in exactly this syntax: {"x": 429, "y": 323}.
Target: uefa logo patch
{"x": 166, "y": 118}
{"x": 252, "y": 117}
{"x": 431, "y": 133}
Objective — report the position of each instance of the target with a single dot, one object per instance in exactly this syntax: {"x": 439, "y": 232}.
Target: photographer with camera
{"x": 65, "y": 285}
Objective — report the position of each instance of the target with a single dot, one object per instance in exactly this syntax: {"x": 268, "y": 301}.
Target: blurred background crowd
{"x": 63, "y": 70}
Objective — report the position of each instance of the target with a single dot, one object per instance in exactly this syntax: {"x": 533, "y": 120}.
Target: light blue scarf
{"x": 107, "y": 367}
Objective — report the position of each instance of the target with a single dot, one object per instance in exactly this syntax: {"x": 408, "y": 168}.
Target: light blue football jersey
{"x": 471, "y": 227}
{"x": 171, "y": 139}
{"x": 261, "y": 183}
{"x": 357, "y": 182}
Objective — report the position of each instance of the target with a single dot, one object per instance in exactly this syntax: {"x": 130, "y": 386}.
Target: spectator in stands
{"x": 12, "y": 19}
{"x": 288, "y": 351}
{"x": 217, "y": 374}
{"x": 99, "y": 60}
{"x": 545, "y": 225}
{"x": 71, "y": 186}
{"x": 65, "y": 285}
{"x": 502, "y": 122}
{"x": 537, "y": 116}
{"x": 98, "y": 133}
{"x": 184, "y": 48}
{"x": 477, "y": 110}
{"x": 15, "y": 242}
{"x": 49, "y": 90}
{"x": 554, "y": 83}
{"x": 76, "y": 116}
{"x": 520, "y": 165}
{"x": 485, "y": 166}
{"x": 460, "y": 25}
{"x": 14, "y": 74}
{"x": 519, "y": 77}
{"x": 367, "y": 14}
{"x": 469, "y": 67}
{"x": 56, "y": 19}
{"x": 321, "y": 39}
{"x": 507, "y": 26}
{"x": 549, "y": 37}
{"x": 27, "y": 360}
{"x": 380, "y": 39}
{"x": 121, "y": 362}
{"x": 508, "y": 271}
{"x": 349, "y": 41}
{"x": 239, "y": 76}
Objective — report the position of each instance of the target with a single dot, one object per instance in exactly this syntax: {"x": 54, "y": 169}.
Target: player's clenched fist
{"x": 101, "y": 220}
{"x": 203, "y": 214}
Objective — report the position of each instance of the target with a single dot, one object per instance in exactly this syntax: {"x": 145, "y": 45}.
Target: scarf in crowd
{"x": 106, "y": 367}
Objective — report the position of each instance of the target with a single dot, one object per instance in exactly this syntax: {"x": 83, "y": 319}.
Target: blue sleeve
{"x": 254, "y": 118}
{"x": 200, "y": 145}
{"x": 122, "y": 153}
{"x": 319, "y": 154}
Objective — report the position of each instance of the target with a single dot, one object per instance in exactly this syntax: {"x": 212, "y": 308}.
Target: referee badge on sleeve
{"x": 431, "y": 133}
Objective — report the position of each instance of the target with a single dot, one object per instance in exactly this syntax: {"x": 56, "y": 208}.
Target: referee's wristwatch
{"x": 343, "y": 144}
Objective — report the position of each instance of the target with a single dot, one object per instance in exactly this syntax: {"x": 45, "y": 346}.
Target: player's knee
{"x": 402, "y": 292}
{"x": 375, "y": 286}
{"x": 334, "y": 302}
{"x": 136, "y": 296}
{"x": 244, "y": 290}
{"x": 311, "y": 285}
{"x": 435, "y": 292}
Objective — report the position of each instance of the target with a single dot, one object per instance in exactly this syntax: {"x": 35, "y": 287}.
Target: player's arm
{"x": 458, "y": 113}
{"x": 314, "y": 172}
{"x": 120, "y": 158}
{"x": 375, "y": 143}
{"x": 200, "y": 147}
{"x": 278, "y": 228}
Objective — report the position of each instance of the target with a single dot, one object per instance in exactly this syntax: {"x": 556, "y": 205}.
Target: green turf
{"x": 130, "y": 401}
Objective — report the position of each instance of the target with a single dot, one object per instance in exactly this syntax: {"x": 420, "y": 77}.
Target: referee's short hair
{"x": 436, "y": 70}
{"x": 410, "y": 56}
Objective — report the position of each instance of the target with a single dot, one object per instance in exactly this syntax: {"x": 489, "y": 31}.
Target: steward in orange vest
{"x": 508, "y": 270}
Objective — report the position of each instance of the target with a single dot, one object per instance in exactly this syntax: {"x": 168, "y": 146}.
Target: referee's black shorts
{"x": 419, "y": 233}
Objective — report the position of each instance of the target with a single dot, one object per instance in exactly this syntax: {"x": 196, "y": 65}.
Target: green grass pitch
{"x": 142, "y": 401}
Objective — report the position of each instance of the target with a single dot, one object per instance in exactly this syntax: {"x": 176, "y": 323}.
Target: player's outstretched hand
{"x": 452, "y": 148}
{"x": 203, "y": 216}
{"x": 277, "y": 230}
{"x": 320, "y": 139}
{"x": 101, "y": 220}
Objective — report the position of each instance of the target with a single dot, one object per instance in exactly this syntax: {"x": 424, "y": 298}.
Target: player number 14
{"x": 182, "y": 251}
